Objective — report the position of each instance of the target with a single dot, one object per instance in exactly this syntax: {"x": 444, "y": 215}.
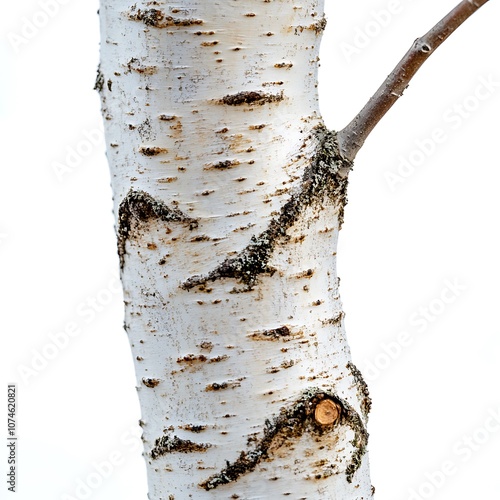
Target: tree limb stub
{"x": 316, "y": 411}
{"x": 353, "y": 136}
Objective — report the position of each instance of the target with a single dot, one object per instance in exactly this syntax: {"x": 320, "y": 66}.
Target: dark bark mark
{"x": 194, "y": 428}
{"x": 139, "y": 207}
{"x": 135, "y": 65}
{"x": 169, "y": 444}
{"x": 288, "y": 426}
{"x": 223, "y": 165}
{"x": 167, "y": 118}
{"x": 318, "y": 27}
{"x": 335, "y": 320}
{"x": 270, "y": 84}
{"x": 216, "y": 386}
{"x": 274, "y": 334}
{"x": 362, "y": 389}
{"x": 323, "y": 177}
{"x": 304, "y": 274}
{"x": 220, "y": 386}
{"x": 284, "y": 365}
{"x": 158, "y": 19}
{"x": 283, "y": 65}
{"x": 146, "y": 130}
{"x": 201, "y": 237}
{"x": 99, "y": 80}
{"x": 250, "y": 97}
{"x": 201, "y": 358}
{"x": 152, "y": 150}
{"x": 150, "y": 382}
{"x": 218, "y": 359}
{"x": 191, "y": 358}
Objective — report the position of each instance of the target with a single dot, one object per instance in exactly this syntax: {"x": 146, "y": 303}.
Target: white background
{"x": 400, "y": 249}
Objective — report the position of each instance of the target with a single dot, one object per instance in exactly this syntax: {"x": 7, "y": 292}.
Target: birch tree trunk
{"x": 229, "y": 195}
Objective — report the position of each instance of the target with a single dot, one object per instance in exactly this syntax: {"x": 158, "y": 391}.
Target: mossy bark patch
{"x": 139, "y": 207}
{"x": 323, "y": 177}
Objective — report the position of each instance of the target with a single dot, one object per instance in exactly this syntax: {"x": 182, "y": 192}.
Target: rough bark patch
{"x": 289, "y": 425}
{"x": 194, "y": 428}
{"x": 321, "y": 178}
{"x": 150, "y": 382}
{"x": 273, "y": 334}
{"x": 139, "y": 207}
{"x": 335, "y": 320}
{"x": 99, "y": 80}
{"x": 223, "y": 165}
{"x": 158, "y": 19}
{"x": 172, "y": 444}
{"x": 319, "y": 26}
{"x": 362, "y": 389}
{"x": 220, "y": 386}
{"x": 250, "y": 97}
{"x": 152, "y": 150}
{"x": 135, "y": 65}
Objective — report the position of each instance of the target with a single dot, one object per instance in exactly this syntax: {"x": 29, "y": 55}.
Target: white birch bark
{"x": 228, "y": 195}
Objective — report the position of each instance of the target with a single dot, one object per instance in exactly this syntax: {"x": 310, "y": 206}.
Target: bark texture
{"x": 229, "y": 195}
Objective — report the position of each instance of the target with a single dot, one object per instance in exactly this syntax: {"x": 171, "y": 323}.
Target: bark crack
{"x": 290, "y": 424}
{"x": 137, "y": 207}
{"x": 325, "y": 176}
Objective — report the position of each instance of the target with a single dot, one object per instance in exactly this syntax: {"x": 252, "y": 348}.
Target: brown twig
{"x": 353, "y": 136}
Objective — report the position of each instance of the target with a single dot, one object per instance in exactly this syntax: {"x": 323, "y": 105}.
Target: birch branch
{"x": 352, "y": 137}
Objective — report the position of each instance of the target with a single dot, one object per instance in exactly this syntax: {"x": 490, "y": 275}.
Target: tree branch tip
{"x": 352, "y": 137}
